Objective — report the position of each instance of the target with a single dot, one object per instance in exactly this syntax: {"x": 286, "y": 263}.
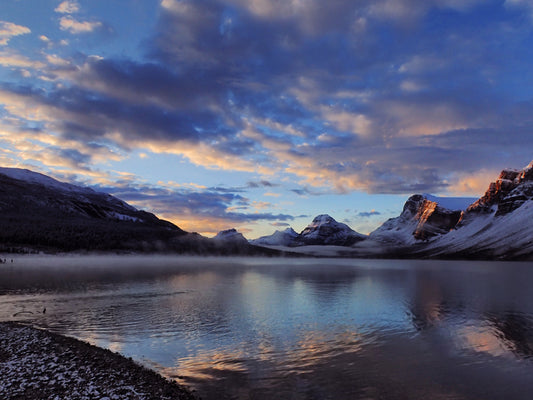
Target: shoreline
{"x": 36, "y": 364}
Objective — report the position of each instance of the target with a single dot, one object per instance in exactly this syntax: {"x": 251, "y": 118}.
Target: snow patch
{"x": 40, "y": 179}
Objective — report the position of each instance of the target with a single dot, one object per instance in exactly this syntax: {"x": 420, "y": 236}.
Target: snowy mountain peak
{"x": 423, "y": 217}
{"x": 230, "y": 235}
{"x": 507, "y": 193}
{"x": 278, "y": 238}
{"x": 326, "y": 230}
{"x": 289, "y": 231}
{"x": 36, "y": 178}
{"x": 322, "y": 219}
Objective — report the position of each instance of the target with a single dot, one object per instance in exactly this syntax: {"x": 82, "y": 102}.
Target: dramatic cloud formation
{"x": 290, "y": 100}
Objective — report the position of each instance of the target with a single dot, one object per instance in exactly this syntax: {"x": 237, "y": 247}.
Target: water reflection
{"x": 515, "y": 331}
{"x": 262, "y": 328}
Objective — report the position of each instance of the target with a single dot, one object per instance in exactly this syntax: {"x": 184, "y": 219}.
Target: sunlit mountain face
{"x": 258, "y": 115}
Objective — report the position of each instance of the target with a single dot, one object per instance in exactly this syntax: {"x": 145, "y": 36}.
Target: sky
{"x": 261, "y": 114}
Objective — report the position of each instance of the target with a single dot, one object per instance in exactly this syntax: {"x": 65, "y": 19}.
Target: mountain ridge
{"x": 40, "y": 213}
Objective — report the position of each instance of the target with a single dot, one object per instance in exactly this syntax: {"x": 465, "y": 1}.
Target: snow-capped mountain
{"x": 44, "y": 192}
{"x": 423, "y": 216}
{"x": 512, "y": 189}
{"x": 324, "y": 230}
{"x": 230, "y": 235}
{"x": 278, "y": 238}
{"x": 498, "y": 225}
{"x": 39, "y": 179}
{"x": 39, "y": 211}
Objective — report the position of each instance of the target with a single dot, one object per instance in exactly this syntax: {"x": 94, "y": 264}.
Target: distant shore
{"x": 36, "y": 364}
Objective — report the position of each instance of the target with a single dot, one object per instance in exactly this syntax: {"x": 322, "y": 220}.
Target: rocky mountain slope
{"x": 497, "y": 226}
{"x": 423, "y": 217}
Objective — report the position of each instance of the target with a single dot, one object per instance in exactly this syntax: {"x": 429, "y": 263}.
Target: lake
{"x": 261, "y": 328}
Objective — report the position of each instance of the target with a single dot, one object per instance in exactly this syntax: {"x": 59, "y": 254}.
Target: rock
{"x": 512, "y": 189}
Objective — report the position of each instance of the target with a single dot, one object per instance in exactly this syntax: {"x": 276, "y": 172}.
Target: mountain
{"x": 496, "y": 226}
{"x": 423, "y": 217}
{"x": 232, "y": 242}
{"x": 278, "y": 238}
{"x": 230, "y": 235}
{"x": 39, "y": 212}
{"x": 324, "y": 230}
{"x": 510, "y": 191}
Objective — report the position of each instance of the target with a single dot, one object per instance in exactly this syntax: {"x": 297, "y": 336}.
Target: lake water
{"x": 254, "y": 328}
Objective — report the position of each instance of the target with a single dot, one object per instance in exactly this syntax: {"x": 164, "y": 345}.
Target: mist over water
{"x": 241, "y": 328}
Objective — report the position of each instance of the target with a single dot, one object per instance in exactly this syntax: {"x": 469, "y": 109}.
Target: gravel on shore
{"x": 36, "y": 364}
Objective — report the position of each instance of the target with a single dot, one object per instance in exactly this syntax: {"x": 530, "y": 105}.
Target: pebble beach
{"x": 36, "y": 364}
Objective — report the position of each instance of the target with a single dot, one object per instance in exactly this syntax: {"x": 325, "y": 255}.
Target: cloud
{"x": 75, "y": 27}
{"x": 68, "y": 7}
{"x": 260, "y": 184}
{"x": 365, "y": 214}
{"x": 187, "y": 206}
{"x": 9, "y": 30}
{"x": 280, "y": 224}
{"x": 325, "y": 99}
{"x": 12, "y": 59}
{"x": 306, "y": 191}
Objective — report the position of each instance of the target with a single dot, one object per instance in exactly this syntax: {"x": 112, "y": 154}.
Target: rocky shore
{"x": 36, "y": 364}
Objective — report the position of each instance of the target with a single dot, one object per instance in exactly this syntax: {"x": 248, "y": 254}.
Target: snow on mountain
{"x": 423, "y": 217}
{"x": 511, "y": 189}
{"x": 489, "y": 236}
{"x": 82, "y": 195}
{"x": 278, "y": 238}
{"x": 497, "y": 225}
{"x": 39, "y": 212}
{"x": 36, "y": 178}
{"x": 30, "y": 193}
{"x": 325, "y": 230}
{"x": 230, "y": 235}
{"x": 400, "y": 230}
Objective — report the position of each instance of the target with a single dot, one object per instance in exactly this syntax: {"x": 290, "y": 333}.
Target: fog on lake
{"x": 263, "y": 328}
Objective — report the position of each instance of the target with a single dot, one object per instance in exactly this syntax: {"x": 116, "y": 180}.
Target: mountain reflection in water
{"x": 294, "y": 329}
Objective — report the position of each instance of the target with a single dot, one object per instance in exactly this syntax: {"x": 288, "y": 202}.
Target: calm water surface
{"x": 248, "y": 328}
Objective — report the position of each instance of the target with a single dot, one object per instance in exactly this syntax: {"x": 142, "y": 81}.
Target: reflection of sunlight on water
{"x": 248, "y": 328}
{"x": 266, "y": 364}
{"x": 480, "y": 339}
